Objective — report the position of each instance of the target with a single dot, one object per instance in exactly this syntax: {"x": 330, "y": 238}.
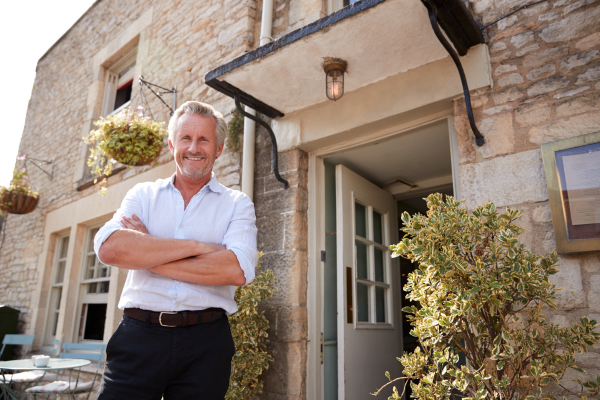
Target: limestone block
{"x": 540, "y": 73}
{"x": 577, "y": 5}
{"x": 541, "y": 214}
{"x": 570, "y": 374}
{"x": 501, "y": 57}
{"x": 482, "y": 5}
{"x": 571, "y": 27}
{"x": 593, "y": 296}
{"x": 527, "y": 49}
{"x": 532, "y": 114}
{"x": 512, "y": 79}
{"x": 270, "y": 232}
{"x": 499, "y": 136}
{"x": 591, "y": 264}
{"x": 292, "y": 324}
{"x": 561, "y": 321}
{"x": 547, "y": 85}
{"x": 589, "y": 42}
{"x": 289, "y": 268}
{"x": 543, "y": 57}
{"x": 521, "y": 40}
{"x": 570, "y": 93}
{"x": 512, "y": 179}
{"x": 496, "y": 110}
{"x": 548, "y": 16}
{"x": 578, "y": 105}
{"x": 296, "y": 231}
{"x": 588, "y": 360}
{"x": 507, "y": 22}
{"x": 498, "y": 46}
{"x": 504, "y": 68}
{"x": 572, "y": 295}
{"x": 508, "y": 95}
{"x": 576, "y": 126}
{"x": 591, "y": 74}
{"x": 286, "y": 377}
{"x": 579, "y": 59}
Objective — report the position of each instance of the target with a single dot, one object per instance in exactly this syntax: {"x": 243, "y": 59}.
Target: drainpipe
{"x": 266, "y": 25}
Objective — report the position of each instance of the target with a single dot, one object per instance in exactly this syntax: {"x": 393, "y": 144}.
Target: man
{"x": 187, "y": 242}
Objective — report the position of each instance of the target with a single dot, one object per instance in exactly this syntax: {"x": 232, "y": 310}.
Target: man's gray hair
{"x": 198, "y": 108}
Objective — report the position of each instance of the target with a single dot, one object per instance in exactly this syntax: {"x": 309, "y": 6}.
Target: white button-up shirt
{"x": 215, "y": 214}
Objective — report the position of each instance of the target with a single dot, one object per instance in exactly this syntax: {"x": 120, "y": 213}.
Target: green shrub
{"x": 235, "y": 128}
{"x": 249, "y": 330}
{"x": 483, "y": 294}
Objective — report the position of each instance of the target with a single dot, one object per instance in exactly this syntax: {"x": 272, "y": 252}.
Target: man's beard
{"x": 193, "y": 172}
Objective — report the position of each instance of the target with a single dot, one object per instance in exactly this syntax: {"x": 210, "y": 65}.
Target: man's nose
{"x": 194, "y": 147}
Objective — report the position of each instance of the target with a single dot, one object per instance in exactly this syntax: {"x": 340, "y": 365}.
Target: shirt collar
{"x": 213, "y": 184}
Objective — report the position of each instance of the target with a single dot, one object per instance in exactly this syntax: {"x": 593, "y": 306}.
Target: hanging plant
{"x": 19, "y": 197}
{"x": 128, "y": 138}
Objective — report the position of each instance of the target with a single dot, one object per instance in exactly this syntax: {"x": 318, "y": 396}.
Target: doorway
{"x": 366, "y": 188}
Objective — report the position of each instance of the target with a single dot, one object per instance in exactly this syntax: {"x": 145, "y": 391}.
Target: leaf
{"x": 475, "y": 290}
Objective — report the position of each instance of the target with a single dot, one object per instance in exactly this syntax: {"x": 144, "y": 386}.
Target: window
{"x": 117, "y": 96}
{"x": 95, "y": 284}
{"x": 336, "y": 5}
{"x": 118, "y": 84}
{"x": 372, "y": 258}
{"x": 56, "y": 287}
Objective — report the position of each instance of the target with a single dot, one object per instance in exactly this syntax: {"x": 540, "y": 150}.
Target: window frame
{"x": 55, "y": 290}
{"x": 371, "y": 283}
{"x": 84, "y": 297}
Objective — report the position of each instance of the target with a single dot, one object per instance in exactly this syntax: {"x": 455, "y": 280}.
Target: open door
{"x": 368, "y": 303}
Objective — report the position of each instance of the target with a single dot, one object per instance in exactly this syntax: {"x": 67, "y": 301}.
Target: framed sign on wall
{"x": 572, "y": 168}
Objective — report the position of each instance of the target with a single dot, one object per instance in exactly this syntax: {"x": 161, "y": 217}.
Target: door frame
{"x": 316, "y": 232}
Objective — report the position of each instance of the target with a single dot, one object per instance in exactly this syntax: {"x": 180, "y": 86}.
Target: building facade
{"x": 400, "y": 132}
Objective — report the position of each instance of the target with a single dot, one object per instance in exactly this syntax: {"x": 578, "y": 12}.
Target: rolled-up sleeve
{"x": 241, "y": 237}
{"x": 130, "y": 205}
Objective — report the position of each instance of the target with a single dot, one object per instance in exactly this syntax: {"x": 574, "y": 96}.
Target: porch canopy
{"x": 378, "y": 39}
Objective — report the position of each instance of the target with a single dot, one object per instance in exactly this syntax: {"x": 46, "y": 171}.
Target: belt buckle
{"x": 160, "y": 319}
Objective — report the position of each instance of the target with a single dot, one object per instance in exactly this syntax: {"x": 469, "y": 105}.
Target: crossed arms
{"x": 185, "y": 260}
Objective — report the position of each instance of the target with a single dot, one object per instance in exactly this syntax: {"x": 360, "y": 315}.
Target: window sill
{"x": 88, "y": 181}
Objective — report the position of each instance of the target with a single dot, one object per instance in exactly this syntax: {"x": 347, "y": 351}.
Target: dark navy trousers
{"x": 148, "y": 361}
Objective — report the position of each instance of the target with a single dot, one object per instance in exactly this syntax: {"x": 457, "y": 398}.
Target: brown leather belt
{"x": 173, "y": 319}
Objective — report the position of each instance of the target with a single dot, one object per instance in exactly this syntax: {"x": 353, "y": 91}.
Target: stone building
{"x": 400, "y": 132}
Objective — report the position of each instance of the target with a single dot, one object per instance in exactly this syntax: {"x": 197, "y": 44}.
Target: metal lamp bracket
{"x": 38, "y": 163}
{"x": 160, "y": 92}
{"x": 238, "y": 106}
{"x": 479, "y": 139}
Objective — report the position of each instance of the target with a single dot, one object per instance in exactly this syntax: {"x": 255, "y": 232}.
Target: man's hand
{"x": 134, "y": 224}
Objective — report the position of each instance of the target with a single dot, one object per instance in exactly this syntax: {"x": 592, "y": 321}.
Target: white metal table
{"x": 28, "y": 365}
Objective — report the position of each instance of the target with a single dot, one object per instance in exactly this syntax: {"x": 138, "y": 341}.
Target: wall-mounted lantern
{"x": 334, "y": 68}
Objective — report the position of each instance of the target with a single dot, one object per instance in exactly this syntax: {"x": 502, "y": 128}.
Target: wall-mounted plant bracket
{"x": 158, "y": 93}
{"x": 273, "y": 139}
{"x": 38, "y": 163}
{"x": 479, "y": 139}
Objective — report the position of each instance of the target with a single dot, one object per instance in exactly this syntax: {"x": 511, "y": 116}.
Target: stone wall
{"x": 546, "y": 72}
{"x": 282, "y": 237}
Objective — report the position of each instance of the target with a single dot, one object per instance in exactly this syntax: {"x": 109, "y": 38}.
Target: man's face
{"x": 195, "y": 148}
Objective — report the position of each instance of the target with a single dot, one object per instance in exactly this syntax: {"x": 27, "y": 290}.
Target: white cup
{"x": 42, "y": 361}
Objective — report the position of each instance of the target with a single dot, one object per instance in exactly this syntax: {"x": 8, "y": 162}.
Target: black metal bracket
{"x": 158, "y": 93}
{"x": 479, "y": 139}
{"x": 273, "y": 139}
{"x": 38, "y": 163}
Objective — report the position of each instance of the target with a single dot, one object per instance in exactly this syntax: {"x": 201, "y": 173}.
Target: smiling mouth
{"x": 194, "y": 158}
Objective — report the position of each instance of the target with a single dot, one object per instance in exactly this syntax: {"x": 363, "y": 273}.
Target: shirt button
{"x": 181, "y": 226}
{"x": 178, "y": 281}
{"x": 176, "y": 304}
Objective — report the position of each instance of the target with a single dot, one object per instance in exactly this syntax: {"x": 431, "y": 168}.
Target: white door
{"x": 369, "y": 325}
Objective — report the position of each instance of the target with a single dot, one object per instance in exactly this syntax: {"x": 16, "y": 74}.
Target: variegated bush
{"x": 481, "y": 293}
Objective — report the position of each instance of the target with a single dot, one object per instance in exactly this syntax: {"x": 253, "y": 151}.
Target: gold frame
{"x": 563, "y": 245}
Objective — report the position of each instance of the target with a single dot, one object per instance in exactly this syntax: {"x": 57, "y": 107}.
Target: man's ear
{"x": 220, "y": 149}
{"x": 171, "y": 147}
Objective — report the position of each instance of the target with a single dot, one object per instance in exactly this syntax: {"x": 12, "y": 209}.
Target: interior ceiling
{"x": 419, "y": 157}
{"x": 387, "y": 39}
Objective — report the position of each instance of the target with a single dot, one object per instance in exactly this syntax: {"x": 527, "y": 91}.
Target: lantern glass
{"x": 335, "y": 84}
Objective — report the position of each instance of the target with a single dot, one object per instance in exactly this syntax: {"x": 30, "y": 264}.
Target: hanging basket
{"x": 17, "y": 202}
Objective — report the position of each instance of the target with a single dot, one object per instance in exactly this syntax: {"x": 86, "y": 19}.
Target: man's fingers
{"x": 136, "y": 218}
